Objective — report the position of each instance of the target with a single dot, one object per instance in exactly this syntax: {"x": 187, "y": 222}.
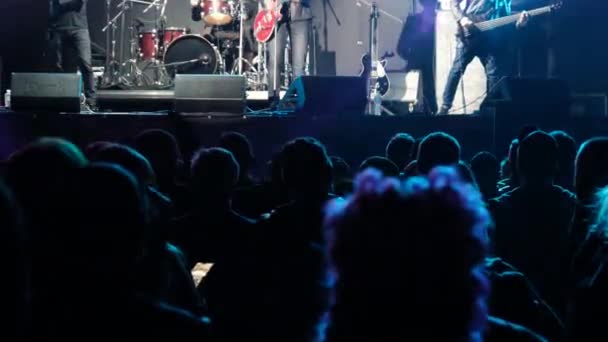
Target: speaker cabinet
{"x": 210, "y": 94}
{"x": 46, "y": 92}
{"x": 327, "y": 95}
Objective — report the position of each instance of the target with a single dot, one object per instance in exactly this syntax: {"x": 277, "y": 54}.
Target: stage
{"x": 353, "y": 136}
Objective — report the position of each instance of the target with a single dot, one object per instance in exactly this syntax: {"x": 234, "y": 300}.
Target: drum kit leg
{"x": 155, "y": 55}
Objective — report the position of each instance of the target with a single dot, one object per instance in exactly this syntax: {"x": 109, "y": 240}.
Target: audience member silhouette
{"x": 486, "y": 169}
{"x": 537, "y": 213}
{"x": 291, "y": 299}
{"x": 341, "y": 176}
{"x": 242, "y": 151}
{"x": 417, "y": 246}
{"x": 161, "y": 149}
{"x": 437, "y": 149}
{"x": 109, "y": 228}
{"x": 589, "y": 300}
{"x": 214, "y": 233}
{"x": 512, "y": 181}
{"x": 385, "y": 165}
{"x": 399, "y": 149}
{"x": 39, "y": 175}
{"x": 591, "y": 174}
{"x": 566, "y": 147}
{"x": 164, "y": 270}
{"x": 91, "y": 149}
{"x": 15, "y": 288}
{"x": 248, "y": 192}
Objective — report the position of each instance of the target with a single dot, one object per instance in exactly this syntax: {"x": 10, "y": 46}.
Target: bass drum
{"x": 192, "y": 54}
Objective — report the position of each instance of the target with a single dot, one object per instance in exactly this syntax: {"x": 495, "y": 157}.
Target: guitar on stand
{"x": 374, "y": 69}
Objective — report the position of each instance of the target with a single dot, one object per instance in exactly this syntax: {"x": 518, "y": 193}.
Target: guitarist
{"x": 488, "y": 49}
{"x": 294, "y": 22}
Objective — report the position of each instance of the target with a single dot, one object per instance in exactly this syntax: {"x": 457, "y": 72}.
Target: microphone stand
{"x": 241, "y": 36}
{"x": 275, "y": 65}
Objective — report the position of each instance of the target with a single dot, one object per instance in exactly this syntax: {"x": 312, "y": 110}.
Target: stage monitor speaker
{"x": 531, "y": 93}
{"x": 46, "y": 92}
{"x": 326, "y": 95}
{"x": 210, "y": 94}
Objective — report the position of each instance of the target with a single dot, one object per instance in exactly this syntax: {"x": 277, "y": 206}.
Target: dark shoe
{"x": 85, "y": 108}
{"x": 273, "y": 102}
{"x": 443, "y": 111}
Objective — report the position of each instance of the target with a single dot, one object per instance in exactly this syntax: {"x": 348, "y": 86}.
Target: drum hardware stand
{"x": 111, "y": 70}
{"x": 162, "y": 77}
{"x": 115, "y": 70}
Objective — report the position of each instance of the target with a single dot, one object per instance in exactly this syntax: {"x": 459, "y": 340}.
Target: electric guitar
{"x": 266, "y": 20}
{"x": 378, "y": 79}
{"x": 470, "y": 34}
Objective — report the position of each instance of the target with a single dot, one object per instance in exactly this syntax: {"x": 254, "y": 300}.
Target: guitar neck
{"x": 511, "y": 19}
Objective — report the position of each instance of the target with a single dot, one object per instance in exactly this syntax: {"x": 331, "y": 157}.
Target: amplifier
{"x": 589, "y": 105}
{"x": 46, "y": 92}
{"x": 326, "y": 95}
{"x": 207, "y": 94}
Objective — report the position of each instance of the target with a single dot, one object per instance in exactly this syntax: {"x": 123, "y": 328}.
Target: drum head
{"x": 191, "y": 54}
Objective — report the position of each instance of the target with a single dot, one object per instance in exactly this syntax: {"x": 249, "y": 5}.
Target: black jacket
{"x": 68, "y": 14}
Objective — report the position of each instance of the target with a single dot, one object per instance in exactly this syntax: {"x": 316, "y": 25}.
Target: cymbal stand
{"x": 162, "y": 78}
{"x": 112, "y": 66}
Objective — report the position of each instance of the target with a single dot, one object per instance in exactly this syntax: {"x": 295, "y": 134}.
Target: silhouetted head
{"x": 341, "y": 169}
{"x": 387, "y": 167}
{"x": 214, "y": 173}
{"x": 91, "y": 149}
{"x": 486, "y": 168}
{"x": 129, "y": 159}
{"x": 162, "y": 151}
{"x": 437, "y": 149}
{"x": 399, "y": 149}
{"x": 417, "y": 246}
{"x": 241, "y": 149}
{"x": 526, "y": 130}
{"x": 537, "y": 159}
{"x": 39, "y": 173}
{"x": 591, "y": 170}
{"x": 566, "y": 147}
{"x": 306, "y": 168}
{"x": 111, "y": 219}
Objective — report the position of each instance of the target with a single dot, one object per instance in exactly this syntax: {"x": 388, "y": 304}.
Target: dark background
{"x": 341, "y": 32}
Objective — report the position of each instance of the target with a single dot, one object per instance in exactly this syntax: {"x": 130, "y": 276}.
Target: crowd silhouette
{"x": 100, "y": 241}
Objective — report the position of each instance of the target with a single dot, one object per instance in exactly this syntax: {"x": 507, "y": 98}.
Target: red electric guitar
{"x": 267, "y": 19}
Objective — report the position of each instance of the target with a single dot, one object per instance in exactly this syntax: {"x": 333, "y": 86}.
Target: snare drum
{"x": 148, "y": 45}
{"x": 217, "y": 12}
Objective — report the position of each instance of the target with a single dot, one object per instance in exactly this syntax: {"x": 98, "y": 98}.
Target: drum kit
{"x": 155, "y": 55}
